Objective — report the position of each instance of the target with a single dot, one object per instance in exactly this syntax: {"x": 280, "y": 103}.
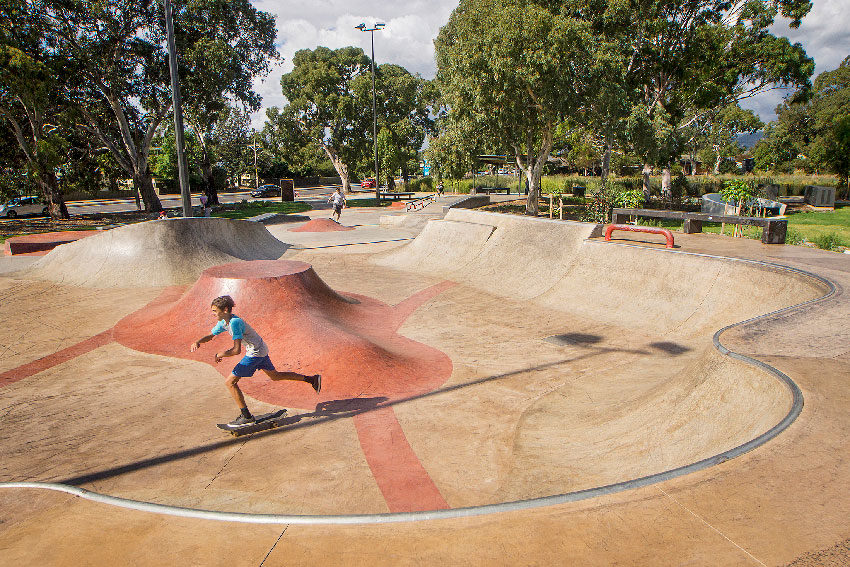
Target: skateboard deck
{"x": 263, "y": 422}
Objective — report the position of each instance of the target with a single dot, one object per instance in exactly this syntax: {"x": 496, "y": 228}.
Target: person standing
{"x": 338, "y": 201}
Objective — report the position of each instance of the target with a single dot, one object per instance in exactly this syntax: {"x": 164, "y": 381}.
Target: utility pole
{"x": 372, "y": 30}
{"x": 182, "y": 167}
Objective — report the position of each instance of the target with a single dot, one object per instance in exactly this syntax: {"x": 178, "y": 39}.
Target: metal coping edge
{"x": 516, "y": 505}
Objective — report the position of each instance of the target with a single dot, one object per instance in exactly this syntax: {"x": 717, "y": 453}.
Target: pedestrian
{"x": 338, "y": 201}
{"x": 440, "y": 189}
{"x": 256, "y": 356}
{"x": 204, "y": 201}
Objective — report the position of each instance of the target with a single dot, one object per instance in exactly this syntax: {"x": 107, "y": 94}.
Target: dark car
{"x": 367, "y": 184}
{"x": 266, "y": 191}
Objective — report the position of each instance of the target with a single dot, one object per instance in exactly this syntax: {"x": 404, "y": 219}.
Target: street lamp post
{"x": 182, "y": 167}
{"x": 372, "y": 30}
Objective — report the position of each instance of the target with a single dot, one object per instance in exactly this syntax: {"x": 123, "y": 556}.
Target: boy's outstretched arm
{"x": 197, "y": 344}
{"x": 232, "y": 351}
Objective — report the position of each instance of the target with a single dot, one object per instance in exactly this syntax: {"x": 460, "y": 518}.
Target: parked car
{"x": 367, "y": 184}
{"x": 23, "y": 206}
{"x": 266, "y": 191}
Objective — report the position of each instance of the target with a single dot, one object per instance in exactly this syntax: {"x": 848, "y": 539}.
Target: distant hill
{"x": 749, "y": 140}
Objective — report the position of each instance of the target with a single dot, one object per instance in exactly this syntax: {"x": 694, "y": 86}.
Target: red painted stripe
{"x": 407, "y": 307}
{"x": 49, "y": 361}
{"x": 402, "y": 479}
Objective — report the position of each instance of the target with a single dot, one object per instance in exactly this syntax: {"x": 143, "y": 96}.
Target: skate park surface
{"x": 497, "y": 390}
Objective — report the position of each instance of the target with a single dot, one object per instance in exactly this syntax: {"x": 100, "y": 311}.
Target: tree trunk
{"x": 210, "y": 189}
{"x": 56, "y": 207}
{"x": 717, "y": 161}
{"x": 666, "y": 193}
{"x": 606, "y": 160}
{"x": 144, "y": 186}
{"x": 647, "y": 170}
{"x": 342, "y": 170}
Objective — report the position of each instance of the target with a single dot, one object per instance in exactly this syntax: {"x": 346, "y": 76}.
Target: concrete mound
{"x": 321, "y": 225}
{"x": 156, "y": 253}
{"x": 309, "y": 328}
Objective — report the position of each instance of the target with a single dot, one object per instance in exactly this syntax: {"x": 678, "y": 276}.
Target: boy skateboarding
{"x": 256, "y": 356}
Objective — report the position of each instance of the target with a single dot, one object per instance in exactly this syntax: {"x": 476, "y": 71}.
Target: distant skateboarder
{"x": 256, "y": 356}
{"x": 338, "y": 201}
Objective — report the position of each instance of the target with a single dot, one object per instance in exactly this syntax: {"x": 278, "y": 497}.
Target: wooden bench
{"x": 392, "y": 196}
{"x": 773, "y": 230}
{"x": 488, "y": 190}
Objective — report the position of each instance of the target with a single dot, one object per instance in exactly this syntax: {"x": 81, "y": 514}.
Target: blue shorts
{"x": 250, "y": 364}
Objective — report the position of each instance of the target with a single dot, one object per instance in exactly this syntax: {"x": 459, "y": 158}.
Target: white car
{"x": 23, "y": 206}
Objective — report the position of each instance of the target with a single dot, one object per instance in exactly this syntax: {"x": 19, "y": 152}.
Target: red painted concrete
{"x": 40, "y": 244}
{"x": 321, "y": 225}
{"x": 309, "y": 328}
{"x": 398, "y": 205}
{"x": 402, "y": 479}
{"x": 49, "y": 361}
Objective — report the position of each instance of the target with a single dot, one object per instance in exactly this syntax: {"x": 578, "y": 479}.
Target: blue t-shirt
{"x": 239, "y": 329}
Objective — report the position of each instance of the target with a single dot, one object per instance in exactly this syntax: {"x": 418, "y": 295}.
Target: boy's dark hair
{"x": 225, "y": 302}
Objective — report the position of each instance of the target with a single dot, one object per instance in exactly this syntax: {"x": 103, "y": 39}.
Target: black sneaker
{"x": 316, "y": 382}
{"x": 241, "y": 421}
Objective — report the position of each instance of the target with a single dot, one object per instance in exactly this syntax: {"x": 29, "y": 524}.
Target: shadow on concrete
{"x": 324, "y": 412}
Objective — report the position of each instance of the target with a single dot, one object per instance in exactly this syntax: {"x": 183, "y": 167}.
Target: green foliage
{"x": 830, "y": 241}
{"x": 628, "y": 198}
{"x": 738, "y": 191}
{"x": 794, "y": 237}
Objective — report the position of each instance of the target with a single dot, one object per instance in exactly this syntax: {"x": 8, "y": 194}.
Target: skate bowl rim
{"x": 794, "y": 411}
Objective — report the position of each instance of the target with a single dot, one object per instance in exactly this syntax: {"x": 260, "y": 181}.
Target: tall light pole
{"x": 182, "y": 168}
{"x": 372, "y": 30}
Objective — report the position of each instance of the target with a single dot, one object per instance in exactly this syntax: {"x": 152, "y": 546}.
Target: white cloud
{"x": 824, "y": 34}
{"x": 411, "y": 27}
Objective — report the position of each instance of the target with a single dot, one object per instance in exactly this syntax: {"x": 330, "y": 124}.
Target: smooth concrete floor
{"x": 518, "y": 418}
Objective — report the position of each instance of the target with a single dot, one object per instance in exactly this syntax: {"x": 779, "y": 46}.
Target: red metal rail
{"x": 632, "y": 228}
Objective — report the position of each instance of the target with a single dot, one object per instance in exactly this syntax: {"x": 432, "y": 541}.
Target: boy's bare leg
{"x": 312, "y": 380}
{"x": 233, "y": 388}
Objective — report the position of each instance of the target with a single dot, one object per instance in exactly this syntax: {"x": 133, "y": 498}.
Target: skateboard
{"x": 263, "y": 422}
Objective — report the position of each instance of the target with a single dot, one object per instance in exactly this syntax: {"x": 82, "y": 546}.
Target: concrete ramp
{"x": 443, "y": 247}
{"x": 156, "y": 253}
{"x": 553, "y": 264}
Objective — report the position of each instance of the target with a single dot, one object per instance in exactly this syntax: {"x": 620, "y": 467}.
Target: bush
{"x": 829, "y": 241}
{"x": 421, "y": 184}
{"x": 794, "y": 237}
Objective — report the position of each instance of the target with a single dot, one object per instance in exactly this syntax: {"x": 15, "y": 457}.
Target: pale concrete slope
{"x": 715, "y": 404}
{"x": 156, "y": 253}
{"x": 553, "y": 264}
{"x": 672, "y": 293}
{"x": 442, "y": 247}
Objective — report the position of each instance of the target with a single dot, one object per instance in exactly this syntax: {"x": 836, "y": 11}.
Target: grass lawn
{"x": 249, "y": 209}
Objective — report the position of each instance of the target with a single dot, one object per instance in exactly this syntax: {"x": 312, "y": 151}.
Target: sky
{"x": 412, "y": 25}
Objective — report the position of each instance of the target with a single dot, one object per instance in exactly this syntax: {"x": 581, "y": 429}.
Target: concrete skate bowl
{"x": 321, "y": 225}
{"x": 702, "y": 407}
{"x": 310, "y": 329}
{"x": 156, "y": 253}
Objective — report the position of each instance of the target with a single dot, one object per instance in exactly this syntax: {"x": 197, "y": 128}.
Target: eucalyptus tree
{"x": 120, "y": 87}
{"x": 227, "y": 44}
{"x": 680, "y": 59}
{"x": 324, "y": 106}
{"x": 514, "y": 68}
{"x": 404, "y": 102}
{"x": 31, "y": 75}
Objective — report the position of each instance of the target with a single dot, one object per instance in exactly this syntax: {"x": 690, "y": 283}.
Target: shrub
{"x": 828, "y": 241}
{"x": 794, "y": 237}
